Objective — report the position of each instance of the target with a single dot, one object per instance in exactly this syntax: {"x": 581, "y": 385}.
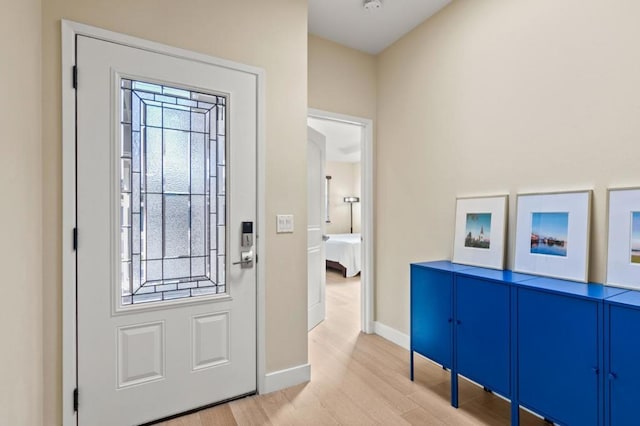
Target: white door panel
{"x": 138, "y": 362}
{"x": 316, "y": 257}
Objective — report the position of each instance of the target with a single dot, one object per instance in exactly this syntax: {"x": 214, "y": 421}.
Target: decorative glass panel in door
{"x": 172, "y": 189}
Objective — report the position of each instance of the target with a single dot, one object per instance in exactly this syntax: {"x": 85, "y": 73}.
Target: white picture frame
{"x": 623, "y": 238}
{"x": 552, "y": 234}
{"x": 473, "y": 243}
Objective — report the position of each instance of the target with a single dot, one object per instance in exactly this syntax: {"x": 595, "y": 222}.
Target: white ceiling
{"x": 343, "y": 139}
{"x": 348, "y": 23}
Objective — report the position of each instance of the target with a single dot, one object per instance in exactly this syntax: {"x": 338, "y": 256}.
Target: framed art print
{"x": 623, "y": 252}
{"x": 552, "y": 234}
{"x": 480, "y": 231}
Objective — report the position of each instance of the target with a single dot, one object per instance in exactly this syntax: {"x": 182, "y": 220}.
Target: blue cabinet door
{"x": 482, "y": 332}
{"x": 558, "y": 357}
{"x": 431, "y": 328}
{"x": 623, "y": 378}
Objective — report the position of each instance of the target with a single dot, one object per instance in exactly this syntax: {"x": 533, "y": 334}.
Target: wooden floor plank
{"x": 189, "y": 420}
{"x": 419, "y": 416}
{"x": 247, "y": 411}
{"x": 278, "y": 408}
{"x": 342, "y": 406}
{"x": 220, "y": 415}
{"x": 432, "y": 403}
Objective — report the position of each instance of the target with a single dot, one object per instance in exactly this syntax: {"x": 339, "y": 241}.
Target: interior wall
{"x": 345, "y": 182}
{"x": 21, "y": 214}
{"x": 494, "y": 97}
{"x": 341, "y": 79}
{"x": 271, "y": 35}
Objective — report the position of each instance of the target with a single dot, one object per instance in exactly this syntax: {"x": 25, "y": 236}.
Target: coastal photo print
{"x": 480, "y": 231}
{"x": 552, "y": 234}
{"x": 549, "y": 233}
{"x": 623, "y": 249}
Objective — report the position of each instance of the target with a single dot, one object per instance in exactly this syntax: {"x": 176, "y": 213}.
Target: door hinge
{"x": 75, "y": 77}
{"x": 75, "y": 239}
{"x": 75, "y": 399}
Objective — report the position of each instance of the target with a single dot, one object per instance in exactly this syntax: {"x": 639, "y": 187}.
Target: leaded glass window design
{"x": 172, "y": 190}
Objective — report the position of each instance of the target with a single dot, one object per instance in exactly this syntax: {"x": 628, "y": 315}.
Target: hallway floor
{"x": 359, "y": 379}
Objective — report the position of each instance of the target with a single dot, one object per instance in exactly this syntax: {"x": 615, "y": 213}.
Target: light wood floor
{"x": 359, "y": 379}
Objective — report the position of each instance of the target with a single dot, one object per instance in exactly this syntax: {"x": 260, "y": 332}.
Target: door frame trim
{"x": 367, "y": 289}
{"x": 69, "y": 31}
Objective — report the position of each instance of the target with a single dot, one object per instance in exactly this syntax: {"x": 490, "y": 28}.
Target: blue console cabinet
{"x": 431, "y": 300}
{"x": 482, "y": 332}
{"x": 460, "y": 318}
{"x": 622, "y": 359}
{"x": 544, "y": 343}
{"x": 482, "y": 327}
{"x": 560, "y": 332}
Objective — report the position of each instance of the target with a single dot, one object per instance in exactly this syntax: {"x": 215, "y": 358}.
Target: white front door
{"x": 166, "y": 185}
{"x": 316, "y": 155}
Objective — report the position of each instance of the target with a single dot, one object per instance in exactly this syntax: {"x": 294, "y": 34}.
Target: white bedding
{"x": 345, "y": 249}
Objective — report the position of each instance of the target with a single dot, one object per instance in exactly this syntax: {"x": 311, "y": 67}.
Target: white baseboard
{"x": 391, "y": 334}
{"x": 286, "y": 378}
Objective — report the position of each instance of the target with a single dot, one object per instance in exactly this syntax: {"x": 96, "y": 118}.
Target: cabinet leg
{"x": 515, "y": 413}
{"x": 411, "y": 364}
{"x": 454, "y": 388}
{"x": 486, "y": 389}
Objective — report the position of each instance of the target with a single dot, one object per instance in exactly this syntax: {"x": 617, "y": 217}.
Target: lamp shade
{"x": 351, "y": 199}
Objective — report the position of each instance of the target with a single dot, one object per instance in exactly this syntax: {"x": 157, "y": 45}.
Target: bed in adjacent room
{"x": 343, "y": 253}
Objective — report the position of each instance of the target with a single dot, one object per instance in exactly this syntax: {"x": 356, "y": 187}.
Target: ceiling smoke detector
{"x": 371, "y": 5}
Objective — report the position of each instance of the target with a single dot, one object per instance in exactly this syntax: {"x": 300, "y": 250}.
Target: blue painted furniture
{"x": 460, "y": 318}
{"x": 432, "y": 301}
{"x": 537, "y": 341}
{"x": 432, "y": 315}
{"x": 560, "y": 341}
{"x": 482, "y": 331}
{"x": 622, "y": 359}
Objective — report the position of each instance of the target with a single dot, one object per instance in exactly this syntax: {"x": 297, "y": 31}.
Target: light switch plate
{"x": 284, "y": 223}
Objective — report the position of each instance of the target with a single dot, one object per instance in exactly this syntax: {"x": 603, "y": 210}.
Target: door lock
{"x": 246, "y": 259}
{"x": 247, "y": 235}
{"x": 246, "y": 246}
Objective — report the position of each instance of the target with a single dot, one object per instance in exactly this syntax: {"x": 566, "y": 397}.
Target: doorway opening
{"x": 349, "y": 203}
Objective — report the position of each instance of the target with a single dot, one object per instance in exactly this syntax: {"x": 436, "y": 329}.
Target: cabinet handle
{"x": 612, "y": 376}
{"x": 450, "y": 320}
{"x": 596, "y": 370}
{"x": 458, "y": 322}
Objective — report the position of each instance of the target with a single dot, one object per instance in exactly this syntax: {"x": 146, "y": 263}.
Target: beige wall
{"x": 341, "y": 79}
{"x": 477, "y": 95}
{"x": 271, "y": 35}
{"x": 20, "y": 214}
{"x": 345, "y": 182}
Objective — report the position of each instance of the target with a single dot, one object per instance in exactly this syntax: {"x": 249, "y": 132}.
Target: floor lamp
{"x": 351, "y": 200}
